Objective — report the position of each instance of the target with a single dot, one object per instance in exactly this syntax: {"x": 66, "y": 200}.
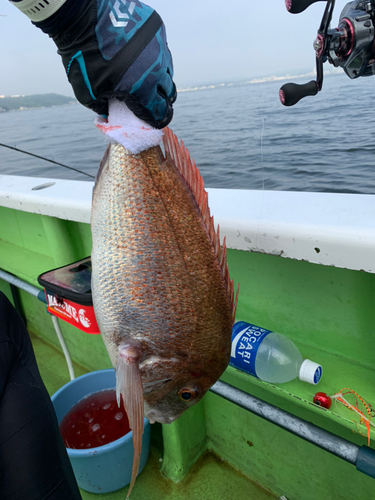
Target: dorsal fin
{"x": 189, "y": 171}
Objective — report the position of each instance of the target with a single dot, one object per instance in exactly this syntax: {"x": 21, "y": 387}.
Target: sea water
{"x": 239, "y": 134}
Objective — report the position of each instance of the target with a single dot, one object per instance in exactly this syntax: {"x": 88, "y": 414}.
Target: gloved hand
{"x": 112, "y": 49}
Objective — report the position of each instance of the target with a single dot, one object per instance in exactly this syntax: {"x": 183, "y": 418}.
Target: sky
{"x": 212, "y": 41}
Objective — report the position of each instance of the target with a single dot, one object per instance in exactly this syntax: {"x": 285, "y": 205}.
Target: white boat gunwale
{"x": 322, "y": 228}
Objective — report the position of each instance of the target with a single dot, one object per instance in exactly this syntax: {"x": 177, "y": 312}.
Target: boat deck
{"x": 210, "y": 478}
{"x": 305, "y": 266}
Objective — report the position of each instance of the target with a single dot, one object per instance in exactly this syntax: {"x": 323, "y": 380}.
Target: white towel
{"x": 124, "y": 127}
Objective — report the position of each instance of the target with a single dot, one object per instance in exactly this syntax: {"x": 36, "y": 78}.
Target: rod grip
{"x": 42, "y": 297}
{"x": 291, "y": 93}
{"x": 366, "y": 461}
{"x": 297, "y": 6}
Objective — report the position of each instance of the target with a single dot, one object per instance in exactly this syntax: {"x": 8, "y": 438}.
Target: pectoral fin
{"x": 129, "y": 385}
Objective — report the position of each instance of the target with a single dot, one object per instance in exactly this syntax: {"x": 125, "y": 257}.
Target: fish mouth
{"x": 155, "y": 416}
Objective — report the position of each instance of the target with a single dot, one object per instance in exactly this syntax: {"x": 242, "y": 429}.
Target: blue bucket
{"x": 109, "y": 467}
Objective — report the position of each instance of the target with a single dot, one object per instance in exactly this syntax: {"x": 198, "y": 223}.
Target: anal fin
{"x": 129, "y": 386}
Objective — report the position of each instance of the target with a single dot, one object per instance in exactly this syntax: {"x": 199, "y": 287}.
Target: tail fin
{"x": 129, "y": 386}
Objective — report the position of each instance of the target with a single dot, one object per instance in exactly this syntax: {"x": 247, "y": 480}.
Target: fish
{"x": 162, "y": 295}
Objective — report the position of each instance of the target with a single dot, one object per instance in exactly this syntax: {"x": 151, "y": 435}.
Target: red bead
{"x": 322, "y": 399}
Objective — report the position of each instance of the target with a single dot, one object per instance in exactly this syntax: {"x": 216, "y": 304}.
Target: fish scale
{"x": 161, "y": 290}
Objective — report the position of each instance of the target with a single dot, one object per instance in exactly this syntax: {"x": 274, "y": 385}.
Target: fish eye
{"x": 187, "y": 393}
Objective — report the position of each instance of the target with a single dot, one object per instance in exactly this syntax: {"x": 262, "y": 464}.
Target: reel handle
{"x": 291, "y": 93}
{"x": 297, "y": 6}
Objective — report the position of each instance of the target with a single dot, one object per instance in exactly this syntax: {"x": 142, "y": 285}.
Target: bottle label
{"x": 246, "y": 339}
{"x": 318, "y": 374}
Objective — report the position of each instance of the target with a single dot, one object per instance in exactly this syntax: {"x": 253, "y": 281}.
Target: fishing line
{"x": 46, "y": 159}
{"x": 262, "y": 201}
{"x": 261, "y": 149}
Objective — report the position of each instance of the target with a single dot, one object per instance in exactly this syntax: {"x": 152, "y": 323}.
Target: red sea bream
{"x": 161, "y": 289}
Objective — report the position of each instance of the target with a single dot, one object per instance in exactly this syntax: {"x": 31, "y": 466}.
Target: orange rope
{"x": 367, "y": 421}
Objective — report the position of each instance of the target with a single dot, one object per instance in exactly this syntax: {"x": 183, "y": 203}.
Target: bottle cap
{"x": 310, "y": 372}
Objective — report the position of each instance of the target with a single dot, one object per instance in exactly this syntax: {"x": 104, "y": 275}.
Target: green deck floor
{"x": 210, "y": 479}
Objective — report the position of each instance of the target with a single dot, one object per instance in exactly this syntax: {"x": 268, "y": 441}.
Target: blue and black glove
{"x": 111, "y": 49}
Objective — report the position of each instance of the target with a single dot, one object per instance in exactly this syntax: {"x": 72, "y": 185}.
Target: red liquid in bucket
{"x": 94, "y": 421}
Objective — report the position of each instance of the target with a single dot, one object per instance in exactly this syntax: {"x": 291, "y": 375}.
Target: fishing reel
{"x": 350, "y": 46}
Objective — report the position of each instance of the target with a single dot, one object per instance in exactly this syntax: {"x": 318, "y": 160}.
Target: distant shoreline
{"x": 38, "y": 101}
{"x": 35, "y": 101}
{"x": 36, "y": 107}
{"x": 258, "y": 80}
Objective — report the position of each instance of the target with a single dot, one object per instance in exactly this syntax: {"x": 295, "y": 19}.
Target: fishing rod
{"x": 46, "y": 159}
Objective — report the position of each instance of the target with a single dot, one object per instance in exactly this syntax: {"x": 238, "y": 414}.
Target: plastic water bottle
{"x": 270, "y": 356}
